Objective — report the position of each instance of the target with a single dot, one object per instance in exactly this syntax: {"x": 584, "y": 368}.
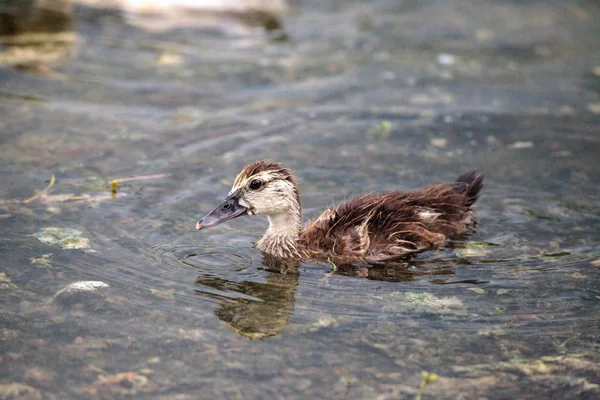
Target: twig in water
{"x": 138, "y": 178}
{"x": 41, "y": 192}
{"x": 335, "y": 268}
{"x": 114, "y": 184}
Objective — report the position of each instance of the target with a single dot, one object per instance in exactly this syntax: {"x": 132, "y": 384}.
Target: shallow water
{"x": 359, "y": 98}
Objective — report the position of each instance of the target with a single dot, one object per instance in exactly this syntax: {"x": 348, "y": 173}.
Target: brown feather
{"x": 379, "y": 227}
{"x": 261, "y": 166}
{"x": 369, "y": 228}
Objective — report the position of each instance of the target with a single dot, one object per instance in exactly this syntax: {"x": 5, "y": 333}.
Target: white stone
{"x": 82, "y": 286}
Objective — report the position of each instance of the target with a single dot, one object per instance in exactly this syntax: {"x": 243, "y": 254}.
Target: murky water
{"x": 360, "y": 97}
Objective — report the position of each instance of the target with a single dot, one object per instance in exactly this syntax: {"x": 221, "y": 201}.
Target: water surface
{"x": 354, "y": 98}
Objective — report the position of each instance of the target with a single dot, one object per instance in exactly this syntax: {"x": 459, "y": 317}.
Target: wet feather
{"x": 370, "y": 228}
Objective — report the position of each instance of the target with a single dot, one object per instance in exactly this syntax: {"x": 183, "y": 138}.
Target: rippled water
{"x": 359, "y": 98}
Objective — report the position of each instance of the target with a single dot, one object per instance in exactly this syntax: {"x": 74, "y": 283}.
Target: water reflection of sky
{"x": 355, "y": 98}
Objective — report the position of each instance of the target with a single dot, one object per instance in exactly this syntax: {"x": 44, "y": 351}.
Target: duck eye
{"x": 255, "y": 184}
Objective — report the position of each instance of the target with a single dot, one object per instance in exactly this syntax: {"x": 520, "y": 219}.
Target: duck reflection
{"x": 264, "y": 308}
{"x": 259, "y": 310}
{"x": 391, "y": 272}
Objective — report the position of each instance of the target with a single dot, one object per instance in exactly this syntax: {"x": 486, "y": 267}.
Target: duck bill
{"x": 229, "y": 209}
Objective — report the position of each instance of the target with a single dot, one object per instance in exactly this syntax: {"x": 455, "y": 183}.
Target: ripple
{"x": 207, "y": 257}
{"x": 223, "y": 273}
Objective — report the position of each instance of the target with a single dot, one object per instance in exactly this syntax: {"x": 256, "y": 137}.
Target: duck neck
{"x": 281, "y": 238}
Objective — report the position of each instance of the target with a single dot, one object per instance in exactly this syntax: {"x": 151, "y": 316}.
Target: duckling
{"x": 371, "y": 228}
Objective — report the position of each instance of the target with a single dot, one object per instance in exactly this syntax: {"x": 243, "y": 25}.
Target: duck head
{"x": 261, "y": 188}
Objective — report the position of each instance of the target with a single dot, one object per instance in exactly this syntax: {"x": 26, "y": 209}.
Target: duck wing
{"x": 380, "y": 227}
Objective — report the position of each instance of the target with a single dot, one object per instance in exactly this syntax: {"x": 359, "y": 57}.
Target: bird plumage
{"x": 369, "y": 228}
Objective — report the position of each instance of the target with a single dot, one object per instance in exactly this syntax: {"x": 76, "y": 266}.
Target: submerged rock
{"x": 424, "y": 303}
{"x": 15, "y": 390}
{"x": 81, "y": 286}
{"x": 67, "y": 238}
{"x": 5, "y": 282}
{"x": 82, "y": 294}
{"x": 39, "y": 376}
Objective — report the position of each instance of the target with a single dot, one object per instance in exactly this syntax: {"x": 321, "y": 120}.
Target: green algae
{"x": 473, "y": 249}
{"x": 424, "y": 303}
{"x": 5, "y": 282}
{"x": 67, "y": 238}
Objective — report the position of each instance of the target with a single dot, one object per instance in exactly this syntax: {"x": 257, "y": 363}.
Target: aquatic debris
{"x": 477, "y": 290}
{"x": 65, "y": 237}
{"x": 438, "y": 142}
{"x": 139, "y": 178}
{"x": 5, "y": 282}
{"x": 81, "y": 286}
{"x": 98, "y": 184}
{"x": 47, "y": 198}
{"x": 133, "y": 378}
{"x": 427, "y": 379}
{"x": 536, "y": 366}
{"x": 536, "y": 215}
{"x": 559, "y": 254}
{"x": 43, "y": 261}
{"x": 121, "y": 384}
{"x": 594, "y": 107}
{"x": 42, "y": 192}
{"x": 578, "y": 275}
{"x": 472, "y": 249}
{"x": 381, "y": 130}
{"x": 114, "y": 184}
{"x": 324, "y": 322}
{"x": 521, "y": 145}
{"x": 572, "y": 361}
{"x": 113, "y": 189}
{"x": 491, "y": 332}
{"x": 446, "y": 59}
{"x": 15, "y": 390}
{"x": 424, "y": 303}
{"x": 39, "y": 376}
{"x": 164, "y": 294}
{"x": 484, "y": 34}
{"x": 345, "y": 382}
{"x": 365, "y": 22}
{"x": 551, "y": 366}
{"x": 596, "y": 263}
{"x": 498, "y": 310}
{"x": 168, "y": 58}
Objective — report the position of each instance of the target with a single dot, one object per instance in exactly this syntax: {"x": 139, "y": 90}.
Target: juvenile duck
{"x": 371, "y": 228}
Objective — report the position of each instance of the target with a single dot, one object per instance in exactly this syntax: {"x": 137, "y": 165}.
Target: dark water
{"x": 355, "y": 97}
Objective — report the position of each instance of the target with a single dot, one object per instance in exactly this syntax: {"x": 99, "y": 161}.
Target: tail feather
{"x": 474, "y": 184}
